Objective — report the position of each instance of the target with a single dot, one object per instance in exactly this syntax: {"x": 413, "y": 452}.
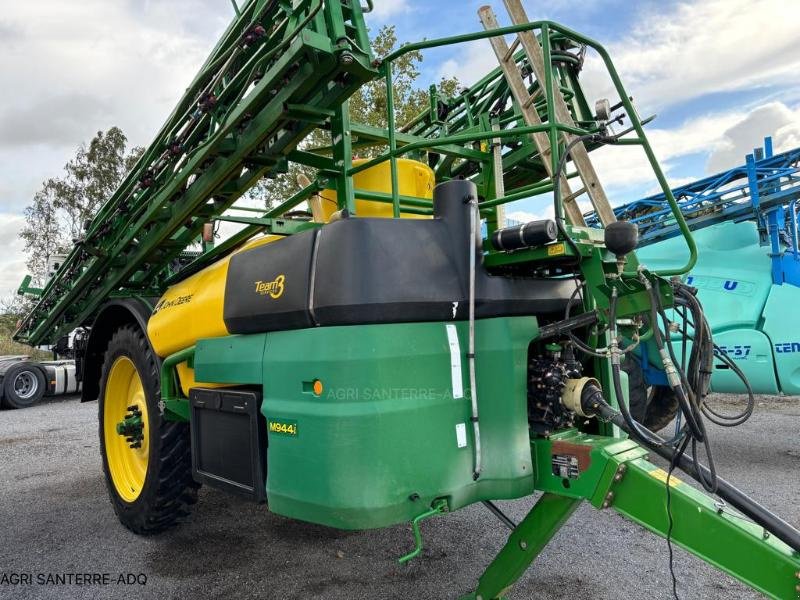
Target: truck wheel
{"x": 662, "y": 408}
{"x": 23, "y": 386}
{"x": 653, "y": 406}
{"x": 146, "y": 459}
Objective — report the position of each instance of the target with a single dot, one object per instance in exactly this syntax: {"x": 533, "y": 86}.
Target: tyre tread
{"x": 170, "y": 464}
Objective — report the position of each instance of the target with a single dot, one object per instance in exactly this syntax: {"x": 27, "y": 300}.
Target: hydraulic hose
{"x": 731, "y": 420}
{"x": 732, "y": 495}
{"x": 674, "y": 378}
{"x": 685, "y": 393}
{"x": 637, "y": 430}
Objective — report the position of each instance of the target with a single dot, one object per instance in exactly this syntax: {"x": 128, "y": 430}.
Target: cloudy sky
{"x": 720, "y": 75}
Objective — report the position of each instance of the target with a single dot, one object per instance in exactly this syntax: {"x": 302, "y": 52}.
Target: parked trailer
{"x": 23, "y": 382}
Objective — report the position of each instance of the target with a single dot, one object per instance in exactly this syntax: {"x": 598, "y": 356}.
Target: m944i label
{"x": 282, "y": 427}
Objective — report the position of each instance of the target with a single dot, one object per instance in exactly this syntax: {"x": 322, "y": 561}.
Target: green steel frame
{"x": 618, "y": 476}
{"x": 258, "y": 95}
{"x": 279, "y": 69}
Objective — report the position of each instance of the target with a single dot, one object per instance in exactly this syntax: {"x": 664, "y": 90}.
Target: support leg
{"x": 525, "y": 543}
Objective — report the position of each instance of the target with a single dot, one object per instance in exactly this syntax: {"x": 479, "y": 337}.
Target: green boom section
{"x": 279, "y": 69}
{"x": 390, "y": 432}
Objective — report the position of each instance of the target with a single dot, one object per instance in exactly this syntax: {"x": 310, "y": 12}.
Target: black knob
{"x": 621, "y": 237}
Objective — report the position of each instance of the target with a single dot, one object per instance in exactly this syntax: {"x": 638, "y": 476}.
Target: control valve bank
{"x": 374, "y": 360}
{"x": 747, "y": 274}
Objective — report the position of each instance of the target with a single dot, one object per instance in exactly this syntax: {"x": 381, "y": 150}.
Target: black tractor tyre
{"x": 653, "y": 406}
{"x": 662, "y": 408}
{"x": 23, "y": 386}
{"x": 168, "y": 489}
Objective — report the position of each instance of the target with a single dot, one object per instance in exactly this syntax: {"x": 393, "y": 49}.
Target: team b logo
{"x": 272, "y": 288}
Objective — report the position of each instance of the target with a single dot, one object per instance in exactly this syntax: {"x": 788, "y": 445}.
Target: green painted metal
{"x": 342, "y": 151}
{"x": 230, "y": 129}
{"x": 548, "y": 30}
{"x": 153, "y": 216}
{"x": 387, "y": 440}
{"x": 524, "y": 544}
{"x": 132, "y": 428}
{"x": 25, "y": 288}
{"x": 230, "y": 359}
{"x": 439, "y": 507}
{"x": 616, "y": 474}
{"x": 272, "y": 226}
{"x": 176, "y": 408}
{"x": 388, "y": 416}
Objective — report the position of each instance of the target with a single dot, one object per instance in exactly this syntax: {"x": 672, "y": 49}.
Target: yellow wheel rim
{"x": 127, "y": 464}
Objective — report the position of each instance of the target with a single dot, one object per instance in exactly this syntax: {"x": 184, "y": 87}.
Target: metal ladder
{"x": 525, "y": 101}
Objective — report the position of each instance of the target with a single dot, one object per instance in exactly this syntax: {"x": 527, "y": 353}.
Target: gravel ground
{"x": 55, "y": 517}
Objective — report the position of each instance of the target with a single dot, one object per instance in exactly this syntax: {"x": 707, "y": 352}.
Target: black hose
{"x": 695, "y": 428}
{"x": 684, "y": 298}
{"x": 732, "y": 495}
{"x": 638, "y": 431}
{"x": 575, "y": 341}
{"x": 685, "y": 392}
{"x": 731, "y": 420}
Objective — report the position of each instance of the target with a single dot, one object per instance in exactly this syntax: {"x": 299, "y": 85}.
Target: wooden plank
{"x": 579, "y": 154}
{"x": 520, "y": 92}
{"x": 499, "y": 184}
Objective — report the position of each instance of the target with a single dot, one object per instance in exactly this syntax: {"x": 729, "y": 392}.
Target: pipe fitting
{"x": 573, "y": 395}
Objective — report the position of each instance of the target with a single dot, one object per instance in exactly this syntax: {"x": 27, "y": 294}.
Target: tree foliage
{"x": 368, "y": 107}
{"x": 60, "y": 209}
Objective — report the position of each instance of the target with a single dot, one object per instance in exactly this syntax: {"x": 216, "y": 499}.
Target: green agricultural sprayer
{"x": 374, "y": 359}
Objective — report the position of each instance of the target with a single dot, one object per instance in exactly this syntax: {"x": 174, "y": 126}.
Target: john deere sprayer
{"x": 396, "y": 351}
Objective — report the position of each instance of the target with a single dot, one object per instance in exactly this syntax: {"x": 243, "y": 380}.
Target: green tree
{"x": 63, "y": 205}
{"x": 10, "y": 312}
{"x": 367, "y": 106}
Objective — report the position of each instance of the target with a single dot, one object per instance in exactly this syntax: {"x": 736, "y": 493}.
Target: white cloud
{"x": 677, "y": 54}
{"x": 543, "y": 209}
{"x": 624, "y": 167}
{"x": 703, "y": 47}
{"x": 475, "y": 60}
{"x": 525, "y": 216}
{"x": 681, "y": 52}
{"x": 71, "y": 68}
{"x": 12, "y": 260}
{"x": 387, "y": 8}
{"x": 774, "y": 119}
{"x": 100, "y": 63}
{"x": 724, "y": 137}
{"x": 75, "y": 67}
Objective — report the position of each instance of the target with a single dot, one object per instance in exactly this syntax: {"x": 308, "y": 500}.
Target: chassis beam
{"x": 615, "y": 473}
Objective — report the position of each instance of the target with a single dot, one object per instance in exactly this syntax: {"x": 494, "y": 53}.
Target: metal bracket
{"x": 439, "y": 507}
